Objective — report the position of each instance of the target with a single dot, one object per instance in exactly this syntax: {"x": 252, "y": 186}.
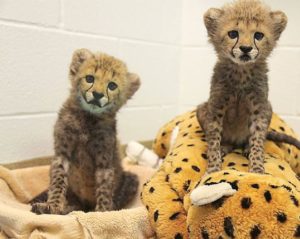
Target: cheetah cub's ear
{"x": 279, "y": 22}
{"x": 211, "y": 20}
{"x": 79, "y": 56}
{"x": 134, "y": 84}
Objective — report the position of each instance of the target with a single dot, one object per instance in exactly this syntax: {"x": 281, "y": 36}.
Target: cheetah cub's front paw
{"x": 104, "y": 207}
{"x": 46, "y": 208}
{"x": 208, "y": 171}
{"x": 259, "y": 170}
{"x": 212, "y": 169}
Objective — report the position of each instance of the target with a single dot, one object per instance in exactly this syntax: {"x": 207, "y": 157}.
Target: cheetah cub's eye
{"x": 90, "y": 79}
{"x": 258, "y": 35}
{"x": 112, "y": 85}
{"x": 233, "y": 34}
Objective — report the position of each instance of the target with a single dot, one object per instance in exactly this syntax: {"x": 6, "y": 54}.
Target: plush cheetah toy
{"x": 86, "y": 172}
{"x": 260, "y": 206}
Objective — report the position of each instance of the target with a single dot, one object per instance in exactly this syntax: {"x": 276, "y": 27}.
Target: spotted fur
{"x": 238, "y": 112}
{"x": 86, "y": 172}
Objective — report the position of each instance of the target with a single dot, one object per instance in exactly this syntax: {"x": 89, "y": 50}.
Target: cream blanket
{"x": 17, "y": 187}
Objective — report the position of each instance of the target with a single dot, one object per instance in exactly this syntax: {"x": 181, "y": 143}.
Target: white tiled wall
{"x": 164, "y": 41}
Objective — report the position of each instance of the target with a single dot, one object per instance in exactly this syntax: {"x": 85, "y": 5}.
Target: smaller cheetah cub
{"x": 238, "y": 113}
{"x": 86, "y": 172}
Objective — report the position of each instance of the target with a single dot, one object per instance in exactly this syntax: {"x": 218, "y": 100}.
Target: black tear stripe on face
{"x": 90, "y": 87}
{"x": 96, "y": 68}
{"x": 108, "y": 94}
{"x": 256, "y": 47}
{"x": 118, "y": 94}
{"x": 237, "y": 40}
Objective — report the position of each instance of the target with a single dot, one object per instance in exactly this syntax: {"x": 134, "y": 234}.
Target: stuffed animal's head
{"x": 244, "y": 31}
{"x": 101, "y": 82}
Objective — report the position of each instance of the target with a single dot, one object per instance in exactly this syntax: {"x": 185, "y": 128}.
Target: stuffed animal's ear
{"x": 134, "y": 84}
{"x": 279, "y": 22}
{"x": 211, "y": 20}
{"x": 79, "y": 56}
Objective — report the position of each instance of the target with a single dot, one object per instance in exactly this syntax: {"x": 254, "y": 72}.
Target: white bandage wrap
{"x": 139, "y": 154}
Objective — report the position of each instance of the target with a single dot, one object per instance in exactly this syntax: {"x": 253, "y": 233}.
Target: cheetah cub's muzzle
{"x": 94, "y": 97}
{"x": 245, "y": 51}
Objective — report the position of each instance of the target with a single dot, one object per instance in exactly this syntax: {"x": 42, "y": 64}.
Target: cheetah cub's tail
{"x": 283, "y": 138}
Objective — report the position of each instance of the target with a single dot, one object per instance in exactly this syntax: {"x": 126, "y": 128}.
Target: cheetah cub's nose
{"x": 97, "y": 95}
{"x": 246, "y": 49}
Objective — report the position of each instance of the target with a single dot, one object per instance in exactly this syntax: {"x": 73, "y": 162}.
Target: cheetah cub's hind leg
{"x": 126, "y": 190}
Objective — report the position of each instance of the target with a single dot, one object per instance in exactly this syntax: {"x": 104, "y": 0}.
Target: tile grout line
{"x": 52, "y": 113}
{"x": 60, "y": 29}
{"x": 61, "y": 15}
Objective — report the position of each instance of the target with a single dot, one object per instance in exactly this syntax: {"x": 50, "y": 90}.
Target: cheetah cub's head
{"x": 101, "y": 82}
{"x": 244, "y": 31}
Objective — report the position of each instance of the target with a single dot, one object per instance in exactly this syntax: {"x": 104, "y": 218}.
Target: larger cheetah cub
{"x": 238, "y": 112}
{"x": 86, "y": 172}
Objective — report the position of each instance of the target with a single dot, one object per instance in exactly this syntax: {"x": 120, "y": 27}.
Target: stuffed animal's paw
{"x": 46, "y": 208}
{"x": 205, "y": 194}
{"x": 139, "y": 154}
